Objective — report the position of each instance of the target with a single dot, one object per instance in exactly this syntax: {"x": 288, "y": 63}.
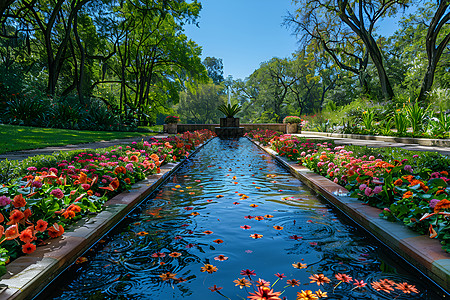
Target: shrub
{"x": 171, "y": 120}
{"x": 292, "y": 119}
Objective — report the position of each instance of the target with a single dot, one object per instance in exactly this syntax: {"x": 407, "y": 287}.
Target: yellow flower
{"x": 299, "y": 265}
{"x": 306, "y": 295}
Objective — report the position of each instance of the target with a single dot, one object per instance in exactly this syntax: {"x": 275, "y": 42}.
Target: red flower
{"x": 15, "y": 217}
{"x": 12, "y": 232}
{"x": 28, "y": 248}
{"x": 248, "y": 272}
{"x": 41, "y": 225}
{"x": 55, "y": 231}
{"x": 343, "y": 277}
{"x": 215, "y": 288}
{"x": 27, "y": 236}
{"x": 19, "y": 201}
{"x": 264, "y": 293}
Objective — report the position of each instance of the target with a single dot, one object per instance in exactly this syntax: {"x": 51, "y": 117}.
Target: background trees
{"x": 130, "y": 55}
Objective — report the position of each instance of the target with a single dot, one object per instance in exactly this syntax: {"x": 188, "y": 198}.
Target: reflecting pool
{"x": 229, "y": 220}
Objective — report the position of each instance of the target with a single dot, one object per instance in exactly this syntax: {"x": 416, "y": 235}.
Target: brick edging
{"x": 419, "y": 250}
{"x": 28, "y": 275}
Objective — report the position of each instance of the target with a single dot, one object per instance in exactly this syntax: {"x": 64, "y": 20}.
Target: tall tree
{"x": 360, "y": 17}
{"x": 214, "y": 66}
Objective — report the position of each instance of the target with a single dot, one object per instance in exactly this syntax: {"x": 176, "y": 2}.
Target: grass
{"x": 15, "y": 138}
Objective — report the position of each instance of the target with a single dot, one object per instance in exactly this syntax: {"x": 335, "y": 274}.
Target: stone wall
{"x": 247, "y": 127}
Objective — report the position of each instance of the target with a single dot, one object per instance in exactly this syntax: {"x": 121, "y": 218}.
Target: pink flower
{"x": 362, "y": 187}
{"x": 368, "y": 192}
{"x": 377, "y": 189}
{"x": 4, "y": 200}
{"x": 57, "y": 193}
{"x": 433, "y": 203}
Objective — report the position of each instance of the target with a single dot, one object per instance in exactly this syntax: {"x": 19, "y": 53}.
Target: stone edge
{"x": 28, "y": 275}
{"x": 393, "y": 139}
{"x": 423, "y": 253}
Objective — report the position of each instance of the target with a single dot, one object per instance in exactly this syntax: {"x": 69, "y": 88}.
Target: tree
{"x": 214, "y": 66}
{"x": 436, "y": 41}
{"x": 198, "y": 103}
{"x": 359, "y": 16}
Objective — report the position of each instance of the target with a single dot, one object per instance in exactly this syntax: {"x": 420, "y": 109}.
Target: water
{"x": 196, "y": 217}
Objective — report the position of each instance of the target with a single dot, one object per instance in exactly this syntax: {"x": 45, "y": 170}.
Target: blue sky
{"x": 245, "y": 33}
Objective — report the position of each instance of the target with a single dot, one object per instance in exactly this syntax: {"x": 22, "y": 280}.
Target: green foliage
{"x": 415, "y": 115}
{"x": 229, "y": 110}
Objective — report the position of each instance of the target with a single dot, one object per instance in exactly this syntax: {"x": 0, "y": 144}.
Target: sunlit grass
{"x": 14, "y": 138}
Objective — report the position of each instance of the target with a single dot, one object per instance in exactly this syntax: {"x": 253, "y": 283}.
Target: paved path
{"x": 21, "y": 155}
{"x": 372, "y": 143}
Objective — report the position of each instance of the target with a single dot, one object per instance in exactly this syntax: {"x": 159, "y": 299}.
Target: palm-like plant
{"x": 229, "y": 110}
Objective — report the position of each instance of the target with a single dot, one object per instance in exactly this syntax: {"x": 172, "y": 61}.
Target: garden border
{"x": 28, "y": 275}
{"x": 392, "y": 139}
{"x": 423, "y": 253}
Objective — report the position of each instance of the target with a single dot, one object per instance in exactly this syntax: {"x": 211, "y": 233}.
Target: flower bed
{"x": 410, "y": 188}
{"x": 42, "y": 201}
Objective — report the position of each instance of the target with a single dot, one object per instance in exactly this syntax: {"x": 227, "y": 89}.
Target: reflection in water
{"x": 207, "y": 213}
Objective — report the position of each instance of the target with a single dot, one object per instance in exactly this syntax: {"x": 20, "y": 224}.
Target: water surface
{"x": 199, "y": 214}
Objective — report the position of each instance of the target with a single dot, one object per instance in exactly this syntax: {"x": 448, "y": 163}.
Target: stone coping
{"x": 28, "y": 275}
{"x": 423, "y": 253}
{"x": 392, "y": 139}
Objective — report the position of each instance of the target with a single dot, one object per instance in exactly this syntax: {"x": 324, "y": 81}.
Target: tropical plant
{"x": 400, "y": 122}
{"x": 229, "y": 110}
{"x": 367, "y": 119}
{"x": 415, "y": 115}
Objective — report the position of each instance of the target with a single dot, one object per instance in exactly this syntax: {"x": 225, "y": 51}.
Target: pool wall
{"x": 27, "y": 275}
{"x": 419, "y": 250}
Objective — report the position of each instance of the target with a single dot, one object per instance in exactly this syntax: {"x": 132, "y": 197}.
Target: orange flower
{"x": 445, "y": 173}
{"x": 120, "y": 169}
{"x": 443, "y": 204}
{"x": 351, "y": 172}
{"x": 134, "y": 158}
{"x": 2, "y": 218}
{"x": 68, "y": 214}
{"x": 28, "y": 248}
{"x": 82, "y": 178}
{"x": 408, "y": 194}
{"x": 209, "y": 268}
{"x": 27, "y": 236}
{"x": 127, "y": 180}
{"x": 12, "y": 232}
{"x": 15, "y": 217}
{"x": 319, "y": 279}
{"x": 256, "y": 236}
{"x": 369, "y": 173}
{"x": 55, "y": 230}
{"x": 115, "y": 184}
{"x": 154, "y": 157}
{"x": 408, "y": 177}
{"x": 398, "y": 182}
{"x": 27, "y": 213}
{"x": 74, "y": 208}
{"x": 41, "y": 225}
{"x": 19, "y": 201}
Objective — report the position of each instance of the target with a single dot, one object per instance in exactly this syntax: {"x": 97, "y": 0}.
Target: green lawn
{"x": 14, "y": 138}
